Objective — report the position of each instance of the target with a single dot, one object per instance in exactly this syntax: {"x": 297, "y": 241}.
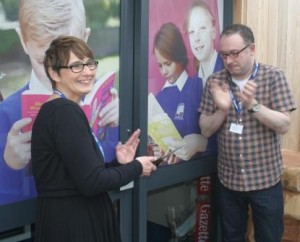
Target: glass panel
{"x": 183, "y": 52}
{"x": 21, "y": 70}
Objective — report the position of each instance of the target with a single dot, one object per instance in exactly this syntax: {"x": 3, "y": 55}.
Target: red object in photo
{"x": 203, "y": 210}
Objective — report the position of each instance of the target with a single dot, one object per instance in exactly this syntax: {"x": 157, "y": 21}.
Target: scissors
{"x": 162, "y": 158}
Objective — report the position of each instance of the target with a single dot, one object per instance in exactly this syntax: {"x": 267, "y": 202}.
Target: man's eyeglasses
{"x": 233, "y": 54}
{"x": 78, "y": 67}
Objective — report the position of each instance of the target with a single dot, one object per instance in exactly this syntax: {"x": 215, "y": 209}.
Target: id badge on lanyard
{"x": 236, "y": 127}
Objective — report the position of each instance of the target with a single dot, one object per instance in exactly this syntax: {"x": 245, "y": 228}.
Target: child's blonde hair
{"x": 44, "y": 20}
{"x": 198, "y": 4}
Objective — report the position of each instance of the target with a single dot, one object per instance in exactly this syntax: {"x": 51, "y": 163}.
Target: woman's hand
{"x": 126, "y": 152}
{"x": 147, "y": 163}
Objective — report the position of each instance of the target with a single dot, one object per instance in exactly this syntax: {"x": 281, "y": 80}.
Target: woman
{"x": 68, "y": 166}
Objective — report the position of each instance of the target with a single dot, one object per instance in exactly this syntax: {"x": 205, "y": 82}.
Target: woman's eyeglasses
{"x": 78, "y": 67}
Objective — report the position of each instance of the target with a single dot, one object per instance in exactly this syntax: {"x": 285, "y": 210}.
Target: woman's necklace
{"x": 59, "y": 93}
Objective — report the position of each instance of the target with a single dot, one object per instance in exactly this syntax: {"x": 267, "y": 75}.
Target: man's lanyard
{"x": 238, "y": 105}
{"x": 59, "y": 93}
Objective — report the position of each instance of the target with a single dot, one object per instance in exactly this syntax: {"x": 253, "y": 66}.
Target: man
{"x": 248, "y": 104}
{"x": 40, "y": 23}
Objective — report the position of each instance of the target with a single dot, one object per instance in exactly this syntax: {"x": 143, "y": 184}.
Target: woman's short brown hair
{"x": 58, "y": 53}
